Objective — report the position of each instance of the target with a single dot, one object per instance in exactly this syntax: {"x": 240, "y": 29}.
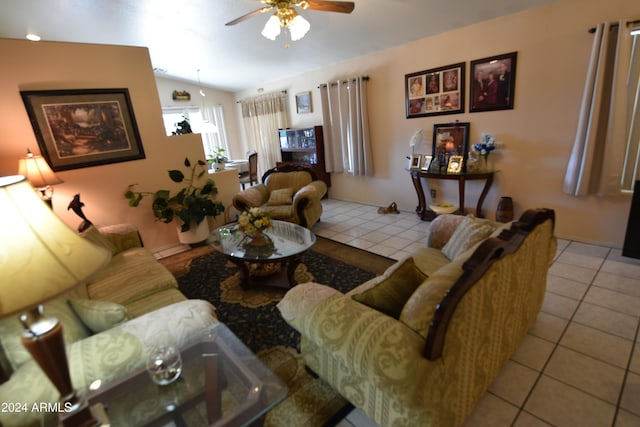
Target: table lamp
{"x": 37, "y": 171}
{"x": 42, "y": 258}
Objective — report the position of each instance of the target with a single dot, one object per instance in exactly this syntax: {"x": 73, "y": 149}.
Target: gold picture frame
{"x": 455, "y": 164}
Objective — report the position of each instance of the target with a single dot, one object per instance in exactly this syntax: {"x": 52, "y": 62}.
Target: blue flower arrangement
{"x": 486, "y": 145}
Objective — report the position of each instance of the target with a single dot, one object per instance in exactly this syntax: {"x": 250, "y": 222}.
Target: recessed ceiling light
{"x": 33, "y": 37}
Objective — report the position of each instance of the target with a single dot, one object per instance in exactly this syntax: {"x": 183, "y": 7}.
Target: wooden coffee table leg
{"x": 244, "y": 270}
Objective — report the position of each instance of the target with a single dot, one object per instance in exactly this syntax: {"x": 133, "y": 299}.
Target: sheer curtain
{"x": 597, "y": 156}
{"x": 346, "y": 127}
{"x": 262, "y": 117}
{"x": 218, "y": 138}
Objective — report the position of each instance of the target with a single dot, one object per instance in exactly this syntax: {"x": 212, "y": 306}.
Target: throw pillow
{"x": 283, "y": 196}
{"x": 97, "y": 315}
{"x": 94, "y": 236}
{"x": 468, "y": 233}
{"x": 390, "y": 295}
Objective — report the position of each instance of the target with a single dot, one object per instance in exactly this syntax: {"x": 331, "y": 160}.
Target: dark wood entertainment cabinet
{"x": 304, "y": 147}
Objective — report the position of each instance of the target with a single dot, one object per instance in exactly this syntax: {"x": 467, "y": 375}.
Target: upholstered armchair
{"x": 291, "y": 194}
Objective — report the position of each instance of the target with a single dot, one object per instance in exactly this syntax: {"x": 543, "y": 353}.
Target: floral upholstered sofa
{"x": 420, "y": 344}
{"x": 109, "y": 324}
{"x": 291, "y": 194}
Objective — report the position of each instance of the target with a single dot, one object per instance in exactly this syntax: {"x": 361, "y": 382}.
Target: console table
{"x": 427, "y": 214}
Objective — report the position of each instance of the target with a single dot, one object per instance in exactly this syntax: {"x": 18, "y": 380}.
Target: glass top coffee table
{"x": 222, "y": 383}
{"x": 269, "y": 265}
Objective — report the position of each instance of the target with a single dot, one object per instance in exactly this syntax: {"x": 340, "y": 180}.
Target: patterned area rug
{"x": 252, "y": 315}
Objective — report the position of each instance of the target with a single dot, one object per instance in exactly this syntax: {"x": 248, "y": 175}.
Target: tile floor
{"x": 580, "y": 363}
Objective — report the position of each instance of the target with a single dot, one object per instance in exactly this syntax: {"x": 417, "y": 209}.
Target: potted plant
{"x": 218, "y": 158}
{"x": 189, "y": 206}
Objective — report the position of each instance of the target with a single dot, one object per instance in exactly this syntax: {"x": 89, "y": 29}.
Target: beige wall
{"x": 47, "y": 65}
{"x": 553, "y": 47}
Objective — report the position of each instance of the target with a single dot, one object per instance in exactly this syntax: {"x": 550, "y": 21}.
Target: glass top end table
{"x": 270, "y": 265}
{"x": 222, "y": 383}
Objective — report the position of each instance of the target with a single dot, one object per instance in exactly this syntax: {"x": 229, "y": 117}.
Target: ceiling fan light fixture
{"x": 271, "y": 29}
{"x": 299, "y": 27}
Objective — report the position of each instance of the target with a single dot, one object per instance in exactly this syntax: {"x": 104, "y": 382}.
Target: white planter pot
{"x": 219, "y": 166}
{"x": 195, "y": 234}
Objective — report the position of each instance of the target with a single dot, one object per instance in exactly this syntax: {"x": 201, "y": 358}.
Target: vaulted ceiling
{"x": 184, "y": 36}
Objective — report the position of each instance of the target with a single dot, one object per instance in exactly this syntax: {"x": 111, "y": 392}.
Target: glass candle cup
{"x": 164, "y": 365}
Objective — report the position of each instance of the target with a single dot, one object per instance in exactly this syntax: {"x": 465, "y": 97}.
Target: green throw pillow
{"x": 390, "y": 295}
{"x": 283, "y": 196}
{"x": 97, "y": 315}
{"x": 468, "y": 233}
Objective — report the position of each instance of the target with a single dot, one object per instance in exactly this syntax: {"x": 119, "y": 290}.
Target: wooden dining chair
{"x": 251, "y": 176}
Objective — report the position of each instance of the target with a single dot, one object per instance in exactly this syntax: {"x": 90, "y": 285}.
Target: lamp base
{"x": 44, "y": 341}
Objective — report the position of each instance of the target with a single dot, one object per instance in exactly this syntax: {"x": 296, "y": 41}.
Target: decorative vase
{"x": 259, "y": 245}
{"x": 258, "y": 238}
{"x": 504, "y": 213}
{"x": 485, "y": 162}
{"x": 197, "y": 232}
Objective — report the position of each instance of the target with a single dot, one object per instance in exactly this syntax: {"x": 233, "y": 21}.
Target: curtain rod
{"x": 271, "y": 93}
{"x": 345, "y": 80}
{"x": 635, "y": 22}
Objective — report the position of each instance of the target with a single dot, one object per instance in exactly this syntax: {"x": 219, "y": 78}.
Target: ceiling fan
{"x": 287, "y": 17}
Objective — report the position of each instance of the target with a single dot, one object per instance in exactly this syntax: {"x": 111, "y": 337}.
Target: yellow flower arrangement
{"x": 252, "y": 220}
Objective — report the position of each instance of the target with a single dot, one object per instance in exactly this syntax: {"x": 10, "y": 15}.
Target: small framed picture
{"x": 414, "y": 162}
{"x": 426, "y": 162}
{"x": 303, "y": 102}
{"x": 455, "y": 164}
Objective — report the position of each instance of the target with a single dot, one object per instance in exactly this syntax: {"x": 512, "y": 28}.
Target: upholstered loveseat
{"x": 420, "y": 344}
{"x": 287, "y": 194}
{"x": 109, "y": 325}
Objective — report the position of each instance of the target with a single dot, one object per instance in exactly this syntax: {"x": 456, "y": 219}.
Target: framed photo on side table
{"x": 455, "y": 164}
{"x": 426, "y": 162}
{"x": 449, "y": 140}
{"x": 435, "y": 91}
{"x": 414, "y": 161}
{"x": 493, "y": 83}
{"x": 78, "y": 128}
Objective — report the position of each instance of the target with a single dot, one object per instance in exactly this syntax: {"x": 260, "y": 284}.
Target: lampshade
{"x": 40, "y": 256}
{"x": 271, "y": 29}
{"x": 37, "y": 171}
{"x": 299, "y": 27}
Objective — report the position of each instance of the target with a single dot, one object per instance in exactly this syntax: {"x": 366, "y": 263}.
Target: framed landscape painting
{"x": 435, "y": 91}
{"x": 78, "y": 128}
{"x": 493, "y": 83}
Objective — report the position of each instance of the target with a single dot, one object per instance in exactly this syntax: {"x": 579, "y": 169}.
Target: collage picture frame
{"x": 436, "y": 91}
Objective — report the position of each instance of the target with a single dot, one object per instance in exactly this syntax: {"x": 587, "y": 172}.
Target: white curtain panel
{"x": 597, "y": 156}
{"x": 262, "y": 117}
{"x": 631, "y": 170}
{"x": 346, "y": 127}
{"x": 212, "y": 141}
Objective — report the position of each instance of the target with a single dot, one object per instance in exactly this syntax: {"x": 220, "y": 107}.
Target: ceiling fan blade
{"x": 329, "y": 6}
{"x": 250, "y": 15}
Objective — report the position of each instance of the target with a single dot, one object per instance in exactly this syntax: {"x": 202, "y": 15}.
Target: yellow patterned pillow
{"x": 390, "y": 295}
{"x": 283, "y": 196}
{"x": 97, "y": 315}
{"x": 468, "y": 233}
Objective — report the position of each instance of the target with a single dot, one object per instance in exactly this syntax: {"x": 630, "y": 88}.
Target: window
{"x": 208, "y": 122}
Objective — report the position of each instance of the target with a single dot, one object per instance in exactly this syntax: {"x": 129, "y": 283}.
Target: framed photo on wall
{"x": 449, "y": 140}
{"x": 78, "y": 128}
{"x": 303, "y": 102}
{"x": 493, "y": 82}
{"x": 435, "y": 91}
